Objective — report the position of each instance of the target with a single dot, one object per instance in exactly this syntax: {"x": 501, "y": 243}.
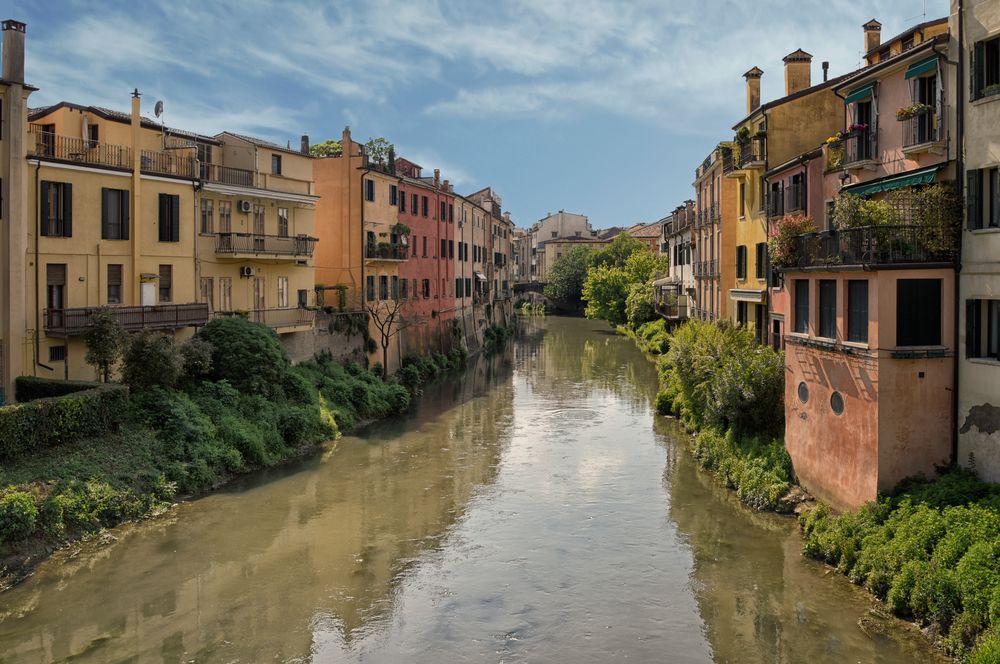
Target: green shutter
{"x": 126, "y": 214}
{"x": 105, "y": 209}
{"x": 973, "y": 199}
{"x": 44, "y": 207}
{"x": 175, "y": 218}
{"x": 67, "y": 209}
{"x": 976, "y": 66}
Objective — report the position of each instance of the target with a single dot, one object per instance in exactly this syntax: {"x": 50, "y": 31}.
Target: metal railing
{"x": 923, "y": 127}
{"x": 716, "y": 212}
{"x": 300, "y": 246}
{"x": 862, "y": 145}
{"x": 387, "y": 252}
{"x": 239, "y": 177}
{"x": 274, "y": 318}
{"x": 874, "y": 245}
{"x": 49, "y": 145}
{"x": 728, "y": 161}
{"x": 167, "y": 163}
{"x": 75, "y": 321}
{"x": 753, "y": 151}
{"x": 713, "y": 267}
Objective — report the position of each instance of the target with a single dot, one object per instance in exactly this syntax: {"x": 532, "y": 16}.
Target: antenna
{"x": 158, "y": 109}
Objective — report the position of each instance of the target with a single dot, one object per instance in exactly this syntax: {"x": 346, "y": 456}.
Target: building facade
{"x": 714, "y": 237}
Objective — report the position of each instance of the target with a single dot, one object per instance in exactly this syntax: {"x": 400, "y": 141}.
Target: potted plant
{"x": 742, "y": 134}
{"x": 907, "y": 112}
{"x": 785, "y": 247}
{"x": 857, "y": 127}
{"x": 384, "y": 249}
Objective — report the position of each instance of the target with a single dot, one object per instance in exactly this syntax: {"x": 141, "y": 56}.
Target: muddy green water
{"x": 533, "y": 510}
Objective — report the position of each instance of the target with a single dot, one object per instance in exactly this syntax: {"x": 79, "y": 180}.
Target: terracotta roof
{"x": 260, "y": 142}
{"x": 117, "y": 116}
{"x": 646, "y": 230}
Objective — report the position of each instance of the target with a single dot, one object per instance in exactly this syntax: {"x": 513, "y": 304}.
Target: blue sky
{"x": 593, "y": 106}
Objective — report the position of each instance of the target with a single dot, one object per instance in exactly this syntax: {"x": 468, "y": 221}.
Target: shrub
{"x": 18, "y": 516}
{"x": 783, "y": 245}
{"x": 196, "y": 357}
{"x": 639, "y": 307}
{"x": 152, "y": 359}
{"x": 105, "y": 341}
{"x": 29, "y": 388}
{"x": 246, "y": 354}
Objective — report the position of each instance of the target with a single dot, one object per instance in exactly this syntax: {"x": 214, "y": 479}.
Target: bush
{"x": 18, "y": 515}
{"x": 639, "y": 306}
{"x": 29, "y": 388}
{"x": 152, "y": 359}
{"x": 246, "y": 354}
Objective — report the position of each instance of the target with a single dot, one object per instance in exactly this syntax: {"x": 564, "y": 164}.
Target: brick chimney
{"x": 13, "y": 50}
{"x": 873, "y": 35}
{"x": 798, "y": 71}
{"x": 437, "y": 177}
{"x": 753, "y": 89}
{"x": 304, "y": 144}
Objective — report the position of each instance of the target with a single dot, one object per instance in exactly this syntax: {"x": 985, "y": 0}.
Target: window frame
{"x": 169, "y": 223}
{"x": 922, "y": 308}
{"x": 800, "y": 305}
{"x": 827, "y": 291}
{"x": 114, "y": 227}
{"x": 858, "y": 318}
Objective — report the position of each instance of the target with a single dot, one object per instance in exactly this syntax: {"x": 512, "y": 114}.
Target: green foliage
{"x": 616, "y": 253}
{"x": 760, "y": 470}
{"x": 246, "y": 354}
{"x": 613, "y": 272}
{"x": 639, "y": 306}
{"x": 566, "y": 277}
{"x": 18, "y": 515}
{"x": 328, "y": 148}
{"x": 196, "y": 358}
{"x": 29, "y": 388}
{"x": 653, "y": 337}
{"x": 783, "y": 245}
{"x": 152, "y": 359}
{"x": 378, "y": 149}
{"x": 932, "y": 550}
{"x": 105, "y": 340}
{"x": 605, "y": 291}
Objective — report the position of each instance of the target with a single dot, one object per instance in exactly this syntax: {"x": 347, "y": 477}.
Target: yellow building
{"x": 771, "y": 134}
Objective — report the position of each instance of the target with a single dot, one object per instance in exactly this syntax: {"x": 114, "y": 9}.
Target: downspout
{"x": 38, "y": 301}
{"x": 959, "y": 176}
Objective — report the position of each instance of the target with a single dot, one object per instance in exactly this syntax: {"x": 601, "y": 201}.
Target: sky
{"x": 598, "y": 107}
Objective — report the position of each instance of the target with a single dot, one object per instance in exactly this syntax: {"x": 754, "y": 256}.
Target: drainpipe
{"x": 38, "y": 300}
{"x": 959, "y": 176}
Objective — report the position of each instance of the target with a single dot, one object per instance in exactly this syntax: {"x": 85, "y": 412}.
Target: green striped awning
{"x": 923, "y": 67}
{"x": 911, "y": 179}
{"x": 859, "y": 94}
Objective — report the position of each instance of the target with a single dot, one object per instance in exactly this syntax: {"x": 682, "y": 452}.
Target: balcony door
{"x": 259, "y": 290}
{"x": 258, "y": 228}
{"x": 863, "y": 117}
{"x": 55, "y": 293}
{"x": 925, "y": 92}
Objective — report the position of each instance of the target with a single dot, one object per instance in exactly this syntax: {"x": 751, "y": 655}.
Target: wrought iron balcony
{"x": 922, "y": 128}
{"x": 860, "y": 146}
{"x": 274, "y": 318}
{"x": 168, "y": 163}
{"x": 49, "y": 145}
{"x": 239, "y": 177}
{"x": 385, "y": 251}
{"x": 74, "y": 322}
{"x": 873, "y": 245}
{"x": 728, "y": 161}
{"x": 753, "y": 151}
{"x": 275, "y": 246}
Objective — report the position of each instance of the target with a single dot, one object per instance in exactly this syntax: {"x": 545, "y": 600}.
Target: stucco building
{"x": 558, "y": 226}
{"x": 714, "y": 238}
{"x": 675, "y": 291}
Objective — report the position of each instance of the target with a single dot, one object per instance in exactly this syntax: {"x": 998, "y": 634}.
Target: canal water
{"x": 533, "y": 510}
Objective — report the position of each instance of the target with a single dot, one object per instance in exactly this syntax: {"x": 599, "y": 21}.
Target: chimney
{"x": 798, "y": 68}
{"x": 13, "y": 51}
{"x": 304, "y": 145}
{"x": 437, "y": 177}
{"x": 826, "y": 71}
{"x": 753, "y": 89}
{"x": 345, "y": 142}
{"x": 873, "y": 35}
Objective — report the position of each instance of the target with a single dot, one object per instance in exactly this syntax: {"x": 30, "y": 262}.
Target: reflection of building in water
{"x": 261, "y": 573}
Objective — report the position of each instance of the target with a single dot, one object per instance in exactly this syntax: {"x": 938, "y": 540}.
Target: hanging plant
{"x": 400, "y": 229}
{"x": 742, "y": 133}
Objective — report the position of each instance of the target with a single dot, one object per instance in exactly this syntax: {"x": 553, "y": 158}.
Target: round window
{"x": 837, "y": 403}
{"x": 803, "y": 392}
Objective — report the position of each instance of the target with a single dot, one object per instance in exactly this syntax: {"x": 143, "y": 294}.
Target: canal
{"x": 533, "y": 510}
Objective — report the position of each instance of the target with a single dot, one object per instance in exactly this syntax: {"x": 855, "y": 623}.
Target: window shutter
{"x": 105, "y": 213}
{"x": 175, "y": 218}
{"x": 126, "y": 213}
{"x": 976, "y": 66}
{"x": 971, "y": 328}
{"x": 973, "y": 199}
{"x": 163, "y": 218}
{"x": 67, "y": 209}
{"x": 44, "y": 206}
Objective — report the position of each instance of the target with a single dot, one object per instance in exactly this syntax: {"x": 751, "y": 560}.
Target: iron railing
{"x": 873, "y": 245}
{"x": 862, "y": 145}
{"x": 753, "y": 151}
{"x": 728, "y": 161}
{"x": 49, "y": 145}
{"x": 239, "y": 177}
{"x": 238, "y": 244}
{"x": 716, "y": 213}
{"x": 167, "y": 163}
{"x": 274, "y": 318}
{"x": 923, "y": 127}
{"x": 387, "y": 252}
{"x": 75, "y": 321}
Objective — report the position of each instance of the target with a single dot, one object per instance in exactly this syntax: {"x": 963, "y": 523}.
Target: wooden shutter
{"x": 175, "y": 218}
{"x": 67, "y": 208}
{"x": 972, "y": 327}
{"x": 44, "y": 207}
{"x": 977, "y": 64}
{"x": 974, "y": 199}
{"x": 164, "y": 217}
{"x": 105, "y": 213}
{"x": 55, "y": 274}
{"x": 126, "y": 213}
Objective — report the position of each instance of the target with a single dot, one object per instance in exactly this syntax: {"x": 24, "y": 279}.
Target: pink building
{"x": 867, "y": 305}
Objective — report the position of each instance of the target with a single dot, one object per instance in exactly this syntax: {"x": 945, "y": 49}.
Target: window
{"x": 393, "y": 194}
{"x": 424, "y": 206}
{"x": 803, "y": 392}
{"x": 458, "y": 289}
{"x": 114, "y": 214}
{"x": 982, "y": 328}
{"x": 166, "y": 282}
{"x": 115, "y": 283}
{"x": 741, "y": 313}
{"x": 741, "y": 262}
{"x": 413, "y": 204}
{"x": 444, "y": 249}
{"x": 226, "y": 293}
{"x": 468, "y": 287}
{"x": 828, "y": 216}
{"x": 424, "y": 241}
{"x": 986, "y": 68}
{"x": 416, "y": 294}
{"x": 57, "y": 353}
{"x": 828, "y": 308}
{"x": 383, "y": 287}
{"x": 857, "y": 310}
{"x": 369, "y": 288}
{"x": 225, "y": 216}
{"x": 402, "y": 201}
{"x": 444, "y": 211}
{"x": 404, "y": 289}
{"x": 258, "y": 226}
{"x": 207, "y": 221}
{"x": 743, "y": 199}
{"x": 275, "y": 164}
{"x": 983, "y": 198}
{"x": 282, "y": 292}
{"x": 451, "y": 212}
{"x": 170, "y": 218}
{"x": 451, "y": 248}
{"x": 369, "y": 190}
{"x": 57, "y": 209}
{"x": 282, "y": 222}
{"x": 802, "y": 306}
{"x": 55, "y": 293}
{"x": 395, "y": 288}
{"x": 427, "y": 289}
{"x": 761, "y": 257}
{"x": 207, "y": 289}
{"x": 303, "y": 297}
{"x": 93, "y": 133}
{"x": 918, "y": 312}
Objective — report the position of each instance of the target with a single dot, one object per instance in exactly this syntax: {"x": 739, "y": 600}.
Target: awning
{"x": 923, "y": 67}
{"x": 480, "y": 276}
{"x": 666, "y": 281}
{"x": 859, "y": 94}
{"x": 913, "y": 178}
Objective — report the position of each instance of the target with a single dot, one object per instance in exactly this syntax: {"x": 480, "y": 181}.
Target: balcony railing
{"x": 46, "y": 144}
{"x": 274, "y": 318}
{"x": 728, "y": 161}
{"x": 860, "y": 146}
{"x": 167, "y": 163}
{"x": 924, "y": 127}
{"x": 239, "y": 177}
{"x": 387, "y": 252}
{"x": 713, "y": 267}
{"x": 75, "y": 321}
{"x": 673, "y": 307}
{"x": 248, "y": 244}
{"x": 873, "y": 245}
{"x": 753, "y": 151}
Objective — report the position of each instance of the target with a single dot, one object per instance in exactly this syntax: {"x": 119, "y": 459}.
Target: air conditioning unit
{"x": 247, "y": 271}
{"x": 245, "y": 206}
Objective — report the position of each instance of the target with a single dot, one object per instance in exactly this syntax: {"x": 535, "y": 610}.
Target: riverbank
{"x": 244, "y": 409}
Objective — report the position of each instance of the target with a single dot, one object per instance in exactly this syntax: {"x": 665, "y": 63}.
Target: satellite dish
{"x": 158, "y": 109}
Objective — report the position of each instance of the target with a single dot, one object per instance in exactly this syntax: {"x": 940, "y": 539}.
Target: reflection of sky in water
{"x": 532, "y": 511}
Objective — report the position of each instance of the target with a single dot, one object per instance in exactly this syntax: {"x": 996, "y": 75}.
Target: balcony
{"x": 716, "y": 212}
{"x": 860, "y": 148}
{"x": 238, "y": 177}
{"x": 48, "y": 145}
{"x": 385, "y": 251}
{"x": 922, "y": 132}
{"x": 74, "y": 322}
{"x": 249, "y": 245}
{"x": 728, "y": 161}
{"x": 672, "y": 305}
{"x": 168, "y": 163}
{"x": 753, "y": 152}
{"x": 277, "y": 319}
{"x": 873, "y": 246}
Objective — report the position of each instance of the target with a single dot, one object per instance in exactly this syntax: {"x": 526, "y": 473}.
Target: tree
{"x": 151, "y": 360}
{"x": 616, "y": 253}
{"x": 567, "y": 276}
{"x": 605, "y": 290}
{"x": 247, "y": 354}
{"x": 389, "y": 320}
{"x": 378, "y": 149}
{"x": 639, "y": 305}
{"x": 105, "y": 339}
{"x": 330, "y": 148}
